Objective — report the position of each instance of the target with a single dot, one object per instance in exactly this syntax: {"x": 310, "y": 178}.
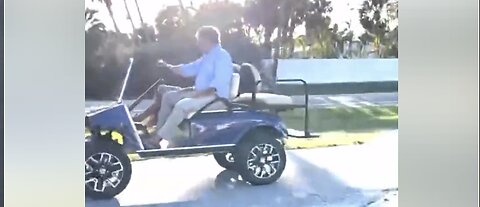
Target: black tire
{"x": 225, "y": 160}
{"x": 105, "y": 161}
{"x": 246, "y": 163}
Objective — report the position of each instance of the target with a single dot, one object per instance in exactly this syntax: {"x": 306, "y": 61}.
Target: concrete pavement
{"x": 357, "y": 175}
{"x": 352, "y": 100}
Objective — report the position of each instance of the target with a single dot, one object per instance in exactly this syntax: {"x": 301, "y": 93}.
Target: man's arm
{"x": 186, "y": 70}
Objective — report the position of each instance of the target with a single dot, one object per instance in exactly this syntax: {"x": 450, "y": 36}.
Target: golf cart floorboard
{"x": 177, "y": 151}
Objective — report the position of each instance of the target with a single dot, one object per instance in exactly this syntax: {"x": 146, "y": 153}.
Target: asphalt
{"x": 357, "y": 176}
{"x": 352, "y": 100}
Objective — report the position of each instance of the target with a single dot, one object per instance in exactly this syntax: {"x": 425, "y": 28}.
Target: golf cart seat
{"x": 215, "y": 105}
{"x": 219, "y": 103}
{"x": 250, "y": 85}
{"x": 249, "y": 94}
{"x": 264, "y": 100}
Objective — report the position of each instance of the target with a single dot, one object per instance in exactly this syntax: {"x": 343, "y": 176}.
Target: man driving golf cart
{"x": 213, "y": 75}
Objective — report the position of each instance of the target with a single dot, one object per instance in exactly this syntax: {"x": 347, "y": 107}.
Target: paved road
{"x": 367, "y": 99}
{"x": 359, "y": 175}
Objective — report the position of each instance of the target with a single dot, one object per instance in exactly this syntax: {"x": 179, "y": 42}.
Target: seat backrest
{"x": 255, "y": 73}
{"x": 234, "y": 85}
{"x": 236, "y": 68}
{"x": 249, "y": 76}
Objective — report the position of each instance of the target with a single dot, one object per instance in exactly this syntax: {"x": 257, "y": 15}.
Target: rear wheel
{"x": 107, "y": 169}
{"x": 225, "y": 159}
{"x": 260, "y": 158}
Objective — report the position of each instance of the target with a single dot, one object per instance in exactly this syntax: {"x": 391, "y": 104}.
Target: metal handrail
{"x": 307, "y": 133}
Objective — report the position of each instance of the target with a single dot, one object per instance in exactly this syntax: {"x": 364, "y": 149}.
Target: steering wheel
{"x": 163, "y": 66}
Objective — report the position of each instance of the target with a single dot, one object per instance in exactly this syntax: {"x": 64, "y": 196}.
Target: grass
{"x": 341, "y": 125}
{"x": 347, "y": 119}
{"x": 330, "y": 139}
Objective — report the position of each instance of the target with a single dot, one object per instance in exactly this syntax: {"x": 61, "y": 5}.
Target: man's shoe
{"x": 150, "y": 143}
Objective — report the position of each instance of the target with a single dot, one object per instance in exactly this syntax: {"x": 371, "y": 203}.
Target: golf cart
{"x": 241, "y": 138}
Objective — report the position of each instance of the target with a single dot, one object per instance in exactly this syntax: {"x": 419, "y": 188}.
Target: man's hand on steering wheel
{"x": 163, "y": 64}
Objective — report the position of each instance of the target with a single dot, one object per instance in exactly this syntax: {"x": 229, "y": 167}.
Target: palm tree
{"x": 139, "y": 13}
{"x": 129, "y": 17}
{"x": 301, "y": 41}
{"x": 91, "y": 22}
{"x": 108, "y": 4}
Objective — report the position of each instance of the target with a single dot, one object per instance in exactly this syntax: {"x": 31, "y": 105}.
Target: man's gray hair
{"x": 210, "y": 33}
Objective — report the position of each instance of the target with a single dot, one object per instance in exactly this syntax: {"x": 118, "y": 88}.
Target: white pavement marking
{"x": 348, "y": 176}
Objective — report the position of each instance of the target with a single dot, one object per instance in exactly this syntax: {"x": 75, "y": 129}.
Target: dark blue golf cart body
{"x": 208, "y": 131}
{"x": 214, "y": 129}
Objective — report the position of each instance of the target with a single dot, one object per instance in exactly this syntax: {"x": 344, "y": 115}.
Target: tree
{"x": 262, "y": 15}
{"x": 235, "y": 37}
{"x": 139, "y": 13}
{"x": 106, "y": 57}
{"x": 320, "y": 37}
{"x": 260, "y": 29}
{"x": 302, "y": 42}
{"x": 375, "y": 17}
{"x": 108, "y": 4}
{"x": 95, "y": 32}
{"x": 230, "y": 13}
{"x": 285, "y": 16}
{"x": 129, "y": 16}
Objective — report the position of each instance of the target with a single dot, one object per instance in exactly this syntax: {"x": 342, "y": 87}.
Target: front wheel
{"x": 260, "y": 158}
{"x": 107, "y": 169}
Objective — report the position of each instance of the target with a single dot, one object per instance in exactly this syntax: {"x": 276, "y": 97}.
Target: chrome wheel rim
{"x": 263, "y": 161}
{"x": 103, "y": 171}
{"x": 229, "y": 157}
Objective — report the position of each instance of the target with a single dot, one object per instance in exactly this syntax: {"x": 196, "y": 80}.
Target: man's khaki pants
{"x": 177, "y": 105}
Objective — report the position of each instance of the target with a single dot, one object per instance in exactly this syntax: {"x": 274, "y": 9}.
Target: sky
{"x": 343, "y": 11}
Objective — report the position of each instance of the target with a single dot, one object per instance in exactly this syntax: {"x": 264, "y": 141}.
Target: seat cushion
{"x": 217, "y": 106}
{"x": 265, "y": 98}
